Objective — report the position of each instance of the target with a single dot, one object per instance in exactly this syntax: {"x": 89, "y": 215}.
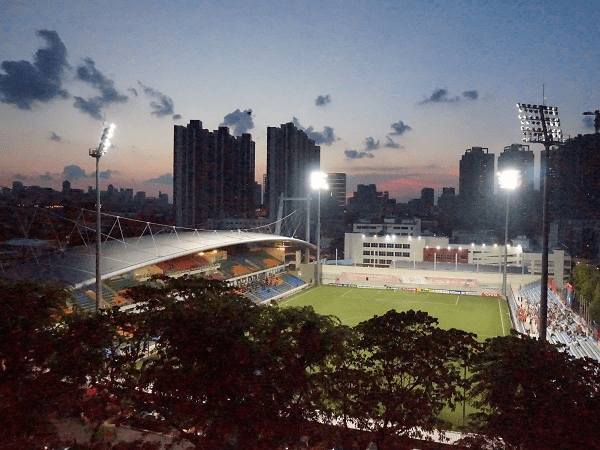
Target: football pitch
{"x": 485, "y": 316}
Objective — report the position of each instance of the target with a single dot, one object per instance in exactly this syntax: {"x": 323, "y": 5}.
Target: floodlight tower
{"x": 97, "y": 153}
{"x": 540, "y": 124}
{"x": 596, "y": 119}
{"x": 318, "y": 181}
{"x": 509, "y": 180}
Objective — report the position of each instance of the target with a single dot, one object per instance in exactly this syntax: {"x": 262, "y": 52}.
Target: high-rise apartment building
{"x": 291, "y": 157}
{"x": 476, "y": 185}
{"x": 521, "y": 201}
{"x": 574, "y": 178}
{"x": 518, "y": 157}
{"x": 213, "y": 175}
{"x": 337, "y": 190}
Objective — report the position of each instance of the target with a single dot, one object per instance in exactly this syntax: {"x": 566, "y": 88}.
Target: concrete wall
{"x": 379, "y": 277}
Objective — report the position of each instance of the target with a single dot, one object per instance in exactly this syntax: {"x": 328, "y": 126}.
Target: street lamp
{"x": 509, "y": 180}
{"x": 540, "y": 124}
{"x": 97, "y": 153}
{"x": 318, "y": 181}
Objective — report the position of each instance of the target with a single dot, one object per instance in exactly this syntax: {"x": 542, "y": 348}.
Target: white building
{"x": 386, "y": 250}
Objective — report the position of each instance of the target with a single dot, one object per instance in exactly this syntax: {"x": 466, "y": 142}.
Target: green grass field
{"x": 484, "y": 316}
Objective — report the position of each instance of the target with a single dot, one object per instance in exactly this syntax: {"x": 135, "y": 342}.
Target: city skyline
{"x": 393, "y": 92}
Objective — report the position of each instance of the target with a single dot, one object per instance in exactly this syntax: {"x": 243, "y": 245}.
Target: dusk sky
{"x": 393, "y": 91}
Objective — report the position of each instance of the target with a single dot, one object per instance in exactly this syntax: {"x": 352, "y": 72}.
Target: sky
{"x": 394, "y": 91}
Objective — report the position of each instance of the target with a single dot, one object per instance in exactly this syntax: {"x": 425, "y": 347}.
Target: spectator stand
{"x": 564, "y": 326}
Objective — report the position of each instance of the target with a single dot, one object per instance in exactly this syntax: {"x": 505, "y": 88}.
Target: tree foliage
{"x": 533, "y": 395}
{"x": 401, "y": 372}
{"x": 586, "y": 280}
{"x": 224, "y": 373}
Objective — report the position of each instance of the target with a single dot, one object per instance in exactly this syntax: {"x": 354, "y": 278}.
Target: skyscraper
{"x": 291, "y": 157}
{"x": 476, "y": 185}
{"x": 522, "y": 201}
{"x": 337, "y": 190}
{"x": 518, "y": 157}
{"x": 213, "y": 175}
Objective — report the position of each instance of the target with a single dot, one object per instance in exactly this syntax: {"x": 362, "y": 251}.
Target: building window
{"x": 390, "y": 246}
{"x": 397, "y": 245}
{"x": 382, "y": 245}
{"x": 366, "y": 244}
{"x": 398, "y": 254}
{"x": 390, "y": 254}
{"x": 405, "y": 245}
{"x": 406, "y": 254}
{"x": 366, "y": 252}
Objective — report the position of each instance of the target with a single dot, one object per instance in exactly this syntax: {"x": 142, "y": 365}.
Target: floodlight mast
{"x": 509, "y": 180}
{"x": 540, "y": 124}
{"x": 97, "y": 153}
{"x": 318, "y": 181}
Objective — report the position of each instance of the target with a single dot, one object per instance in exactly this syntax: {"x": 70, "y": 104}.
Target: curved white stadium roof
{"x": 77, "y": 266}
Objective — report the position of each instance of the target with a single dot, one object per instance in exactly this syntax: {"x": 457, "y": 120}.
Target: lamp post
{"x": 97, "y": 153}
{"x": 318, "y": 181}
{"x": 540, "y": 124}
{"x": 509, "y": 180}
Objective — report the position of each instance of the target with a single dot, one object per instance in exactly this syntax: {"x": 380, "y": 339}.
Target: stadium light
{"x": 318, "y": 181}
{"x": 540, "y": 124}
{"x": 509, "y": 180}
{"x": 97, "y": 152}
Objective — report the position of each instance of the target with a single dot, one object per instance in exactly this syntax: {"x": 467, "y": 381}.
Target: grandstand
{"x": 235, "y": 257}
{"x": 565, "y": 328}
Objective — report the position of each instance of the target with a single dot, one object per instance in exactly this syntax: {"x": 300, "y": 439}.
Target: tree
{"x": 225, "y": 372}
{"x": 295, "y": 346}
{"x": 403, "y": 370}
{"x": 51, "y": 359}
{"x": 32, "y": 391}
{"x": 533, "y": 395}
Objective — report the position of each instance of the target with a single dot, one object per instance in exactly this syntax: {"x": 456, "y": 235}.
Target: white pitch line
{"x": 501, "y": 317}
{"x": 295, "y": 297}
{"x": 457, "y": 297}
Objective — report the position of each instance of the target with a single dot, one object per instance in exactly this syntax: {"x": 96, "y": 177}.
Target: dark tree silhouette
{"x": 402, "y": 371}
{"x": 533, "y": 396}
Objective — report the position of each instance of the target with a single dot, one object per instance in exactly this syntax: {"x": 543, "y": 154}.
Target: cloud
{"x": 471, "y": 95}
{"x": 325, "y": 137}
{"x": 108, "y": 94}
{"x": 391, "y": 143}
{"x": 20, "y": 177}
{"x": 399, "y": 128}
{"x": 355, "y": 154}
{"x": 26, "y": 83}
{"x": 440, "y": 95}
{"x": 55, "y": 137}
{"x": 45, "y": 178}
{"x": 240, "y": 121}
{"x": 167, "y": 178}
{"x": 73, "y": 173}
{"x": 106, "y": 174}
{"x": 371, "y": 144}
{"x": 323, "y": 100}
{"x": 163, "y": 107}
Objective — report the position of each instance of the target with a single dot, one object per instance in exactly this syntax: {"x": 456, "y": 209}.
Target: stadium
{"x": 266, "y": 267}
